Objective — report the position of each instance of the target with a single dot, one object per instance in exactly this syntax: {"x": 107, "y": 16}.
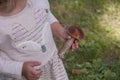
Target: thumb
{"x": 66, "y": 36}
{"x": 35, "y": 64}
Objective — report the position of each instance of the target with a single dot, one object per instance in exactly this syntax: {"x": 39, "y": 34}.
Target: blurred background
{"x": 98, "y": 55}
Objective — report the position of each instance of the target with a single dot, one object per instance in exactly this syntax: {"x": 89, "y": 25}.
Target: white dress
{"x": 32, "y": 25}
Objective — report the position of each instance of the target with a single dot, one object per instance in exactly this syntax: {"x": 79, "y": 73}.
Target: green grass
{"x": 100, "y": 21}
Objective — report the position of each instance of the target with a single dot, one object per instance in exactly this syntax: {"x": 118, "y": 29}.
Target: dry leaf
{"x": 76, "y": 71}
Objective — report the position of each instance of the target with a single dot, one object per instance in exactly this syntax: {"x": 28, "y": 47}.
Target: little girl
{"x": 27, "y": 48}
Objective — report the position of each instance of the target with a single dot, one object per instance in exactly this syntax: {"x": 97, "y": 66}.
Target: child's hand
{"x": 60, "y": 32}
{"x": 65, "y": 37}
{"x": 29, "y": 72}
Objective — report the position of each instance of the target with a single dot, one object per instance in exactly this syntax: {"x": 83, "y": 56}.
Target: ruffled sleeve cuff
{"x": 51, "y": 18}
{"x": 11, "y": 68}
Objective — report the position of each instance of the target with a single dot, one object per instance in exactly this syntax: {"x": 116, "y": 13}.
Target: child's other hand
{"x": 65, "y": 37}
{"x": 29, "y": 72}
{"x": 59, "y": 31}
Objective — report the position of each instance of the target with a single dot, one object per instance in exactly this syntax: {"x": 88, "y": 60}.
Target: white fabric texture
{"x": 44, "y": 4}
{"x": 28, "y": 25}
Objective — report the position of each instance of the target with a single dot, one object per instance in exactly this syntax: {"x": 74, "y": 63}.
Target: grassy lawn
{"x": 98, "y": 55}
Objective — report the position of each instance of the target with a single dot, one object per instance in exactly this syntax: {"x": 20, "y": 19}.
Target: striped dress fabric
{"x": 24, "y": 31}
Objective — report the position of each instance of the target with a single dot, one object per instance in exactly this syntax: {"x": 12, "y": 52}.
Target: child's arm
{"x": 59, "y": 31}
{"x": 56, "y": 27}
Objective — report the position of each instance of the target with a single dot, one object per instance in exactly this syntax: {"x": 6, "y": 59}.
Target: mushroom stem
{"x": 65, "y": 47}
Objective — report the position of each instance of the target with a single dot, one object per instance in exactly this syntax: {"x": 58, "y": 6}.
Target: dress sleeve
{"x": 44, "y": 4}
{"x": 11, "y": 68}
{"x": 51, "y": 18}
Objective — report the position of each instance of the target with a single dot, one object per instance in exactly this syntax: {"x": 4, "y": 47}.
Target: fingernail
{"x": 69, "y": 37}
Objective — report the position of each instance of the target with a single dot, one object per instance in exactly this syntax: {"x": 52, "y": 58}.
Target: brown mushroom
{"x": 76, "y": 33}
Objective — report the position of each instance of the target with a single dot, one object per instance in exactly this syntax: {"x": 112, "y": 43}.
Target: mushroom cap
{"x": 75, "y": 32}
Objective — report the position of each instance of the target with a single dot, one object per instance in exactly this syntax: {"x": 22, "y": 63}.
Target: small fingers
{"x": 31, "y": 77}
{"x": 35, "y": 64}
{"x": 68, "y": 37}
{"x": 65, "y": 36}
{"x": 37, "y": 73}
{"x": 74, "y": 45}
